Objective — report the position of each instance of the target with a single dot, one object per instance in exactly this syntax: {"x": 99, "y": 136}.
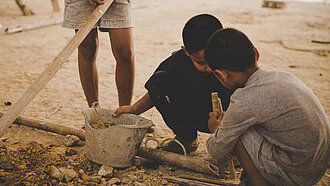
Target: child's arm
{"x": 137, "y": 108}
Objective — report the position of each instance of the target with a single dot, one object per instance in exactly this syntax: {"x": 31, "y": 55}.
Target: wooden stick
{"x": 207, "y": 180}
{"x": 51, "y": 70}
{"x": 26, "y": 11}
{"x": 60, "y": 129}
{"x": 41, "y": 24}
{"x": 222, "y": 169}
{"x": 55, "y": 5}
{"x": 216, "y": 105}
{"x": 217, "y": 110}
{"x": 185, "y": 162}
{"x": 321, "y": 42}
{"x": 231, "y": 168}
{"x": 183, "y": 181}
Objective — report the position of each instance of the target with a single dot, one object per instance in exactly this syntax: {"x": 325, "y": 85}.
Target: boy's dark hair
{"x": 198, "y": 30}
{"x": 230, "y": 49}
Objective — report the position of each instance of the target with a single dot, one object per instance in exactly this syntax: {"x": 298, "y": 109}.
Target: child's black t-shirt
{"x": 191, "y": 89}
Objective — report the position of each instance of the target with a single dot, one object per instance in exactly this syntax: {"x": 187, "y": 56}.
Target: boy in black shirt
{"x": 181, "y": 86}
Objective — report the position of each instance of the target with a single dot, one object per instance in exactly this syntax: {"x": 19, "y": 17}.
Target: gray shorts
{"x": 118, "y": 15}
{"x": 261, "y": 153}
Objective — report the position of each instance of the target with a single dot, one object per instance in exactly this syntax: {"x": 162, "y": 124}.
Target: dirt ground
{"x": 283, "y": 37}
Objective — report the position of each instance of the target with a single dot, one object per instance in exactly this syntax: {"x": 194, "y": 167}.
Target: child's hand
{"x": 96, "y": 2}
{"x": 214, "y": 123}
{"x": 123, "y": 109}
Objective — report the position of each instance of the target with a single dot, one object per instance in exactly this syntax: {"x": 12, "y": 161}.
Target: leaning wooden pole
{"x": 52, "y": 69}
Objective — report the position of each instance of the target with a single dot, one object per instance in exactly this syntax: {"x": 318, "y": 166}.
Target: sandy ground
{"x": 282, "y": 36}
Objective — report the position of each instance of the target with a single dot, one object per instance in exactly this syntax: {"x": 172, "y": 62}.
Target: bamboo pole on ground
{"x": 51, "y": 70}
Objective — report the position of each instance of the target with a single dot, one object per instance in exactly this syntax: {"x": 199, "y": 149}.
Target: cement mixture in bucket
{"x": 113, "y": 141}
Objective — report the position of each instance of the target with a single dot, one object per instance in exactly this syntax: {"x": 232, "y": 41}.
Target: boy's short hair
{"x": 230, "y": 49}
{"x": 198, "y": 30}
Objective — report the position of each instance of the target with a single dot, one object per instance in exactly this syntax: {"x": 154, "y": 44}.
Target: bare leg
{"x": 87, "y": 52}
{"x": 254, "y": 176}
{"x": 122, "y": 48}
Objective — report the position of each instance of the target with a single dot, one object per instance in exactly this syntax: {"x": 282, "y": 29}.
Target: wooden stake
{"x": 55, "y": 5}
{"x": 216, "y": 105}
{"x": 217, "y": 110}
{"x": 51, "y": 70}
{"x": 25, "y": 10}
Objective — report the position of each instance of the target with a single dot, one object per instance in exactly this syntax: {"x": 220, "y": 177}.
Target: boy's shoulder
{"x": 179, "y": 56}
{"x": 176, "y": 62}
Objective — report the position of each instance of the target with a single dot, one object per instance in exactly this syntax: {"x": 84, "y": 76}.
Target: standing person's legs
{"x": 122, "y": 48}
{"x": 87, "y": 52}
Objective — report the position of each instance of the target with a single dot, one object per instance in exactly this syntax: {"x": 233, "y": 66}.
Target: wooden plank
{"x": 55, "y": 5}
{"x": 51, "y": 70}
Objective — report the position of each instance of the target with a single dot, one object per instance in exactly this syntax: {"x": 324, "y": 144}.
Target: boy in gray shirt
{"x": 274, "y": 123}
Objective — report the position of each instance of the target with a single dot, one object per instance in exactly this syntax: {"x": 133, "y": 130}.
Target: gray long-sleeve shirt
{"x": 287, "y": 113}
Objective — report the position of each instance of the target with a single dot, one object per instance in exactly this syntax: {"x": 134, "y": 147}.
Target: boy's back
{"x": 287, "y": 113}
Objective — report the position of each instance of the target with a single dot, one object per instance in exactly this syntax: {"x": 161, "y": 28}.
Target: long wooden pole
{"x": 51, "y": 70}
{"x": 185, "y": 162}
{"x": 52, "y": 127}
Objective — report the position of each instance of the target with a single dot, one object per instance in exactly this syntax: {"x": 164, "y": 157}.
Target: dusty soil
{"x": 27, "y": 156}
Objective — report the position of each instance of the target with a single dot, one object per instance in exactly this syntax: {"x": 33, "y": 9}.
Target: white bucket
{"x": 117, "y": 145}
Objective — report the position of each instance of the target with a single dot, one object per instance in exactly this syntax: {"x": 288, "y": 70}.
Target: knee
{"x": 124, "y": 55}
{"x": 88, "y": 48}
